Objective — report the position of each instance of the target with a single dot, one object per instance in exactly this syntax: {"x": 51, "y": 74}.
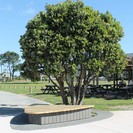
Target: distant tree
{"x": 12, "y": 60}
{"x": 73, "y": 43}
{"x": 1, "y": 63}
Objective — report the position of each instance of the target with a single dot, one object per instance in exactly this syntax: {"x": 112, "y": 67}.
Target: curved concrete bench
{"x": 51, "y": 114}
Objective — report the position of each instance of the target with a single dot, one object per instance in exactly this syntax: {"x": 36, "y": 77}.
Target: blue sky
{"x": 14, "y": 15}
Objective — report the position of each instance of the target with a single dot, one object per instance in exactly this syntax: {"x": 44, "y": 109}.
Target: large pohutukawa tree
{"x": 73, "y": 43}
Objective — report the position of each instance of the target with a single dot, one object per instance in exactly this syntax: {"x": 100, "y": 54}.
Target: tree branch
{"x": 52, "y": 80}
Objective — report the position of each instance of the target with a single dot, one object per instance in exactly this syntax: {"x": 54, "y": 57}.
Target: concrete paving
{"x": 13, "y": 120}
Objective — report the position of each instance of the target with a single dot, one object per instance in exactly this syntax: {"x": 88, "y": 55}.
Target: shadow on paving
{"x": 10, "y": 111}
{"x": 21, "y": 119}
{"x": 20, "y": 122}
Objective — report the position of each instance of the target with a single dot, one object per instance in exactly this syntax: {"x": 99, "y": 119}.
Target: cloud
{"x": 7, "y": 7}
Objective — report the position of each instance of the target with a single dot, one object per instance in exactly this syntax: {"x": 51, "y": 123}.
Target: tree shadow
{"x": 56, "y": 94}
{"x": 10, "y": 111}
{"x": 21, "y": 119}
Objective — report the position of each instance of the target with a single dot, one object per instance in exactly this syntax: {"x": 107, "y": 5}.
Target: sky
{"x": 15, "y": 14}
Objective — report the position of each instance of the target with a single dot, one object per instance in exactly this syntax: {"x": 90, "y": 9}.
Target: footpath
{"x": 13, "y": 119}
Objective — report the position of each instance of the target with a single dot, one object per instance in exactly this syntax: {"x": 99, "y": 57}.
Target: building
{"x": 129, "y": 68}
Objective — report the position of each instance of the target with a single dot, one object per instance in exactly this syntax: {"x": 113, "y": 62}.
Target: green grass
{"x": 33, "y": 90}
{"x": 53, "y": 99}
{"x": 22, "y": 87}
{"x": 103, "y": 104}
{"x": 100, "y": 103}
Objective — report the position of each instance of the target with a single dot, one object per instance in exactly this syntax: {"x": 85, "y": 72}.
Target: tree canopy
{"x": 11, "y": 60}
{"x": 74, "y": 43}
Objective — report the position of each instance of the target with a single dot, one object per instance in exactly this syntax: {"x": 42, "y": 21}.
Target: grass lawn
{"x": 33, "y": 90}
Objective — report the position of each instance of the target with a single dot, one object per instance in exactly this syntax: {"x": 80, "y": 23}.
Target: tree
{"x": 12, "y": 60}
{"x": 1, "y": 62}
{"x": 29, "y": 70}
{"x": 74, "y": 43}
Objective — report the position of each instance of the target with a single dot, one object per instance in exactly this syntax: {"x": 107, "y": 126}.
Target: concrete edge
{"x": 20, "y": 122}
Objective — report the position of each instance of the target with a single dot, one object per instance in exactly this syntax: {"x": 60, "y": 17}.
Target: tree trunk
{"x": 10, "y": 71}
{"x": 82, "y": 95}
{"x": 73, "y": 95}
{"x": 64, "y": 96}
{"x": 79, "y": 89}
{"x": 63, "y": 92}
{"x": 80, "y": 102}
{"x": 61, "y": 87}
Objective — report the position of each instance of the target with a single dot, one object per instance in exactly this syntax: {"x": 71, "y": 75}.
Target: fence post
{"x": 30, "y": 90}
